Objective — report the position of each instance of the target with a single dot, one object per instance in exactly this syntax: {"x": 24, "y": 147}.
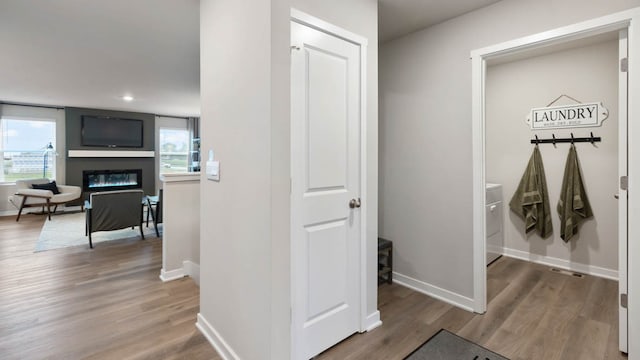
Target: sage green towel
{"x": 531, "y": 199}
{"x": 573, "y": 206}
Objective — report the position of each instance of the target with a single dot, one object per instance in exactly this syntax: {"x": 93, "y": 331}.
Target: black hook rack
{"x": 591, "y": 139}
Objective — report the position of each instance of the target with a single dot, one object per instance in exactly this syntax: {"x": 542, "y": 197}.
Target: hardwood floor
{"x": 105, "y": 303}
{"x": 108, "y": 303}
{"x": 533, "y": 313}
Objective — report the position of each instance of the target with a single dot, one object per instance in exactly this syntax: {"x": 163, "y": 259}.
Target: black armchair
{"x": 154, "y": 206}
{"x": 113, "y": 210}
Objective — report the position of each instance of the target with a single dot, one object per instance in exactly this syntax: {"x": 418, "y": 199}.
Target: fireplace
{"x": 106, "y": 180}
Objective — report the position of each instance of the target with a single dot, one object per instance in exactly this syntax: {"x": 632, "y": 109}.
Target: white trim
{"x": 62, "y": 208}
{"x": 581, "y": 30}
{"x": 613, "y": 22}
{"x": 364, "y": 240}
{"x": 367, "y": 322}
{"x": 112, "y": 153}
{"x": 433, "y": 291}
{"x": 321, "y": 25}
{"x": 179, "y": 177}
{"x": 192, "y": 270}
{"x": 623, "y": 124}
{"x": 8, "y": 212}
{"x": 633, "y": 202}
{"x": 171, "y": 274}
{"x": 478, "y": 186}
{"x": 372, "y": 321}
{"x": 562, "y": 264}
{"x": 215, "y": 339}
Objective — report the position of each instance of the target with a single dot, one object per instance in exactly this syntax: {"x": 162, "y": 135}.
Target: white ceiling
{"x": 89, "y": 53}
{"x": 401, "y": 17}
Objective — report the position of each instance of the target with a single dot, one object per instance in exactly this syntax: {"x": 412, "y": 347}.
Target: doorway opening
{"x": 578, "y": 72}
{"x": 549, "y": 42}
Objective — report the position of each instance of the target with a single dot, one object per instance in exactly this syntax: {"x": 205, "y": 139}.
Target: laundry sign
{"x": 567, "y": 116}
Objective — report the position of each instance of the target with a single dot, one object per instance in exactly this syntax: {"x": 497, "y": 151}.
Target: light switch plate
{"x": 213, "y": 170}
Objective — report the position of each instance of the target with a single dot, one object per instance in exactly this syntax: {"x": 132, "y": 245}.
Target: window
{"x": 24, "y": 149}
{"x": 174, "y": 150}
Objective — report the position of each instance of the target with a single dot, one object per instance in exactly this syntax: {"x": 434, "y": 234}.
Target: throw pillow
{"x": 50, "y": 186}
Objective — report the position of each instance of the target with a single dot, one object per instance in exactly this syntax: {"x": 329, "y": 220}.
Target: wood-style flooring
{"x": 105, "y": 303}
{"x": 533, "y": 313}
{"x": 108, "y": 303}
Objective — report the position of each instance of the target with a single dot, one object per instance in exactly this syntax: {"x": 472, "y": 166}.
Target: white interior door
{"x": 325, "y": 180}
{"x": 622, "y": 195}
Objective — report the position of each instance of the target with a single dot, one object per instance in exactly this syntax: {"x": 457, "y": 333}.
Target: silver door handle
{"x": 355, "y": 203}
{"x": 617, "y": 196}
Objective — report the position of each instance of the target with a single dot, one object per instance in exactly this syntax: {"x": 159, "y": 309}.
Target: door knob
{"x": 616, "y": 196}
{"x": 354, "y": 203}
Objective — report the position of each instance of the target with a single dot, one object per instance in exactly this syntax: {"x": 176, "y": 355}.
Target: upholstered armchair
{"x": 113, "y": 210}
{"x": 27, "y": 196}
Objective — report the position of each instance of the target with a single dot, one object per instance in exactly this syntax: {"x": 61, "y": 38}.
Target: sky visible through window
{"x": 26, "y": 135}
{"x": 22, "y": 145}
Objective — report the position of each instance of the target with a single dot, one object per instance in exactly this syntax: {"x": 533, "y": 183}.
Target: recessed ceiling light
{"x": 127, "y": 98}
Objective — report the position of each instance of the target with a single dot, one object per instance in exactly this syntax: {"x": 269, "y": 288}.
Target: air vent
{"x": 566, "y": 272}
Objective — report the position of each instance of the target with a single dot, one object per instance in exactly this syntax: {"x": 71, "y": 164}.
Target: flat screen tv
{"x": 111, "y": 132}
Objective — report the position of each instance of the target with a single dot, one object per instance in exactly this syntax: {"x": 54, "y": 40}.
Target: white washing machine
{"x": 495, "y": 235}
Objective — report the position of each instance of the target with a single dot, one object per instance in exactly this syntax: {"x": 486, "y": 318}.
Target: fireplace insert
{"x": 107, "y": 180}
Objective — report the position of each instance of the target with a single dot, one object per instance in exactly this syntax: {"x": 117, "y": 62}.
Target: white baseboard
{"x": 61, "y": 208}
{"x": 372, "y": 321}
{"x": 189, "y": 268}
{"x": 192, "y": 270}
{"x": 214, "y": 338}
{"x": 562, "y": 264}
{"x": 171, "y": 274}
{"x": 447, "y": 296}
{"x": 8, "y": 212}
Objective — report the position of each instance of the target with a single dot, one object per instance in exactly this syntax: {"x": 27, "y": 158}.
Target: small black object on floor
{"x": 448, "y": 346}
{"x": 385, "y": 261}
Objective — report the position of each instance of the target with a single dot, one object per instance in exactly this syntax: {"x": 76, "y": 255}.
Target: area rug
{"x": 68, "y": 230}
{"x": 447, "y": 346}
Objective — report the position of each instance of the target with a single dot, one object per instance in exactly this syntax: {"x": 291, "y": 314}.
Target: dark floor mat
{"x": 447, "y": 346}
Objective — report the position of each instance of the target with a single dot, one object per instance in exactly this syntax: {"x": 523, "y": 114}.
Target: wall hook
{"x": 592, "y": 139}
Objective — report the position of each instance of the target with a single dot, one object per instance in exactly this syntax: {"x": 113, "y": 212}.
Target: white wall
{"x": 235, "y": 246}
{"x": 181, "y": 225}
{"x": 244, "y": 245}
{"x": 425, "y": 127}
{"x": 589, "y": 74}
{"x": 39, "y": 113}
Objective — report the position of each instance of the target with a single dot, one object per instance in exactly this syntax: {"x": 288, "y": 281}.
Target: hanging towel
{"x": 573, "y": 205}
{"x": 531, "y": 199}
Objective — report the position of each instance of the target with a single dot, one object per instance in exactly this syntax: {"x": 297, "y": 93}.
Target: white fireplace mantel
{"x": 112, "y": 153}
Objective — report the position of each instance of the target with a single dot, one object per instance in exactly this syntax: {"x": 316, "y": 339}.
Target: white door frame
{"x": 630, "y": 20}
{"x": 623, "y": 151}
{"x": 321, "y": 25}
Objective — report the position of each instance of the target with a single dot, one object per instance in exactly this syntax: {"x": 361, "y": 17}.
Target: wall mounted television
{"x": 111, "y": 132}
